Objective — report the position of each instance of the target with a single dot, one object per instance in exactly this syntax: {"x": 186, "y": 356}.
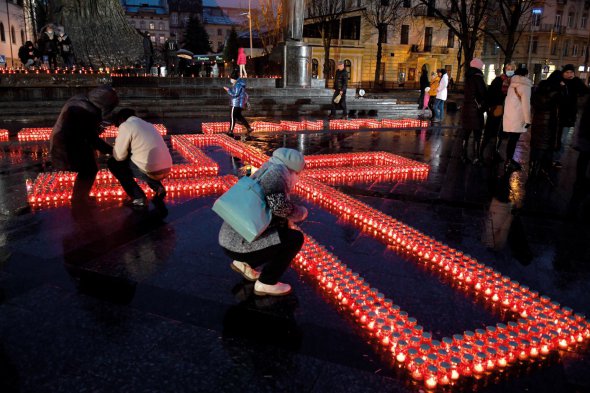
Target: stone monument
{"x": 296, "y": 55}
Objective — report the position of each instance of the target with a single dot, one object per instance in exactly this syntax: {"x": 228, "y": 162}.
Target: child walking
{"x": 238, "y": 101}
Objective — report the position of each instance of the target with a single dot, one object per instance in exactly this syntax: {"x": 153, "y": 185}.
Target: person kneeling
{"x": 140, "y": 152}
{"x": 276, "y": 247}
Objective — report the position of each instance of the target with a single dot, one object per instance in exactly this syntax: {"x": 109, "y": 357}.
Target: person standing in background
{"x": 238, "y": 101}
{"x": 441, "y": 96}
{"x": 474, "y": 106}
{"x": 66, "y": 50}
{"x": 424, "y": 83}
{"x": 148, "y": 52}
{"x": 340, "y": 86}
{"x": 517, "y": 114}
{"x": 242, "y": 63}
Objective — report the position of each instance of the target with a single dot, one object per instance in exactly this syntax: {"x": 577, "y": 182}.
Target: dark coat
{"x": 75, "y": 135}
{"x": 341, "y": 80}
{"x": 424, "y": 82}
{"x": 474, "y": 104}
{"x": 582, "y": 139}
{"x": 545, "y": 104}
{"x": 47, "y": 46}
{"x": 27, "y": 52}
{"x": 495, "y": 94}
{"x": 65, "y": 45}
{"x": 569, "y": 104}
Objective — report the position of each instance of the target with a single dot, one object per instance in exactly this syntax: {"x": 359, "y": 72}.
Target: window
{"x": 566, "y": 47}
{"x": 351, "y": 28}
{"x": 161, "y": 26}
{"x": 428, "y": 39}
{"x": 315, "y": 68}
{"x": 142, "y": 24}
{"x": 450, "y": 39}
{"x": 12, "y": 35}
{"x": 536, "y": 18}
{"x": 575, "y": 50}
{"x": 152, "y": 26}
{"x": 405, "y": 35}
{"x": 153, "y": 38}
{"x": 584, "y": 21}
{"x": 495, "y": 49}
{"x": 162, "y": 40}
{"x": 186, "y": 20}
{"x": 535, "y": 45}
{"x": 174, "y": 19}
{"x": 570, "y": 19}
{"x": 2, "y": 35}
{"x": 22, "y": 37}
{"x": 219, "y": 32}
{"x": 557, "y": 20}
{"x": 348, "y": 68}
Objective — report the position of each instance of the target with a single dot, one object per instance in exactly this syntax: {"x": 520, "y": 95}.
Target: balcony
{"x": 548, "y": 27}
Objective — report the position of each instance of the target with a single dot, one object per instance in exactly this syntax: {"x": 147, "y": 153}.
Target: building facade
{"x": 149, "y": 16}
{"x": 12, "y": 31}
{"x": 181, "y": 12}
{"x": 420, "y": 40}
{"x": 556, "y": 33}
{"x": 219, "y": 18}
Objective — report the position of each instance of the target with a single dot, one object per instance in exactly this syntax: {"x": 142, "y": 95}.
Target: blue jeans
{"x": 439, "y": 109}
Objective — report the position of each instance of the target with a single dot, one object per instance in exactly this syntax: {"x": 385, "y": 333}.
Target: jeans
{"x": 276, "y": 259}
{"x": 126, "y": 172}
{"x": 439, "y": 109}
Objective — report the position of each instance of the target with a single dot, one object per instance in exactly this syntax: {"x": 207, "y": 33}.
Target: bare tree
{"x": 268, "y": 22}
{"x": 324, "y": 16}
{"x": 100, "y": 32}
{"x": 384, "y": 16}
{"x": 465, "y": 18}
{"x": 510, "y": 19}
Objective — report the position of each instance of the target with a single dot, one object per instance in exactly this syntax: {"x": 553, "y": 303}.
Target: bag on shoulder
{"x": 498, "y": 110}
{"x": 244, "y": 208}
{"x": 337, "y": 98}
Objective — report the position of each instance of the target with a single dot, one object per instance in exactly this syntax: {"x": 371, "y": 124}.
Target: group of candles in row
{"x": 194, "y": 155}
{"x": 44, "y": 133}
{"x": 237, "y": 149}
{"x": 545, "y": 325}
{"x": 366, "y": 174}
{"x": 346, "y": 160}
{"x": 3, "y": 135}
{"x": 356, "y": 124}
{"x": 56, "y": 71}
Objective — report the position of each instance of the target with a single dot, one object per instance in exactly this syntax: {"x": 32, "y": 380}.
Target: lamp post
{"x": 250, "y": 23}
{"x": 536, "y": 14}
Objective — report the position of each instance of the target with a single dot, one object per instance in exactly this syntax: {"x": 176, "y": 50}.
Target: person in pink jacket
{"x": 517, "y": 114}
{"x": 242, "y": 63}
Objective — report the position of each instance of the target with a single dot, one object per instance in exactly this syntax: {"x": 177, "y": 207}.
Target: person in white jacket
{"x": 140, "y": 152}
{"x": 441, "y": 96}
{"x": 517, "y": 114}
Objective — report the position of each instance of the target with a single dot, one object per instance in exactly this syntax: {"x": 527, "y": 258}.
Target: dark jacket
{"x": 64, "y": 44}
{"x": 27, "y": 52}
{"x": 341, "y": 80}
{"x": 569, "y": 104}
{"x": 582, "y": 139}
{"x": 474, "y": 104}
{"x": 75, "y": 135}
{"x": 148, "y": 47}
{"x": 47, "y": 46}
{"x": 424, "y": 82}
{"x": 238, "y": 95}
{"x": 496, "y": 93}
{"x": 545, "y": 103}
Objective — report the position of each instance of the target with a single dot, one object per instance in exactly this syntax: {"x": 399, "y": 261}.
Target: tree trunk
{"x": 509, "y": 48}
{"x": 378, "y": 58}
{"x": 100, "y": 32}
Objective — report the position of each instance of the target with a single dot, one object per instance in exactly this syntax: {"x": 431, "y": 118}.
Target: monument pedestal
{"x": 295, "y": 59}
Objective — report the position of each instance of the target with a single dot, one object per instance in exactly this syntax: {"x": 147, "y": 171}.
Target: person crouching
{"x": 140, "y": 152}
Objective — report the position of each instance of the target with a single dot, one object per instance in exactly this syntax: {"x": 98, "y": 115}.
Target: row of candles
{"x": 543, "y": 325}
{"x": 3, "y": 135}
{"x": 356, "y": 124}
{"x": 44, "y": 133}
{"x": 378, "y": 158}
{"x": 56, "y": 71}
{"x": 194, "y": 155}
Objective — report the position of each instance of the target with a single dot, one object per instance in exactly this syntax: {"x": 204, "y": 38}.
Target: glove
{"x": 299, "y": 214}
{"x": 527, "y": 125}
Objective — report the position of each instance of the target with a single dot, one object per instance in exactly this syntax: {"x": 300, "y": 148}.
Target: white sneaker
{"x": 279, "y": 289}
{"x": 245, "y": 270}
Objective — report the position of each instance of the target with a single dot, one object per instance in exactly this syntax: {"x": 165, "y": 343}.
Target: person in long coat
{"x": 545, "y": 103}
{"x": 276, "y": 247}
{"x": 424, "y": 83}
{"x": 75, "y": 138}
{"x": 474, "y": 106}
{"x": 517, "y": 114}
{"x": 495, "y": 100}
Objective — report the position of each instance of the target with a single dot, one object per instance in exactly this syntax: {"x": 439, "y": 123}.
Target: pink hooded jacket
{"x": 241, "y": 56}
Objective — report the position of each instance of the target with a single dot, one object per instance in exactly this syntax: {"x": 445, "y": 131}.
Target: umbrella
{"x": 185, "y": 54}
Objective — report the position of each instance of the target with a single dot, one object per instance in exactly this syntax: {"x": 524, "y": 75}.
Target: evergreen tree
{"x": 196, "y": 38}
{"x": 230, "y": 50}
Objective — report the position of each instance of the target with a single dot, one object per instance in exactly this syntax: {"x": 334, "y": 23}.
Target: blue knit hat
{"x": 292, "y": 159}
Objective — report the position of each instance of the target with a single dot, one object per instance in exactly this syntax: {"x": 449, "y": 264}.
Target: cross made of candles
{"x": 533, "y": 325}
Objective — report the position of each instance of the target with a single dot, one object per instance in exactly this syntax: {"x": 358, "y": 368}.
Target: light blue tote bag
{"x": 244, "y": 208}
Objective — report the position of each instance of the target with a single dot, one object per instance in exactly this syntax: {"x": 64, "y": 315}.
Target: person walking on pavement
{"x": 140, "y": 152}
{"x": 441, "y": 96}
{"x": 424, "y": 83}
{"x": 238, "y": 101}
{"x": 276, "y": 247}
{"x": 148, "y": 52}
{"x": 473, "y": 109}
{"x": 75, "y": 138}
{"x": 434, "y": 82}
{"x": 517, "y": 114}
{"x": 496, "y": 95}
{"x": 545, "y": 106}
{"x": 568, "y": 109}
{"x": 340, "y": 86}
{"x": 242, "y": 63}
